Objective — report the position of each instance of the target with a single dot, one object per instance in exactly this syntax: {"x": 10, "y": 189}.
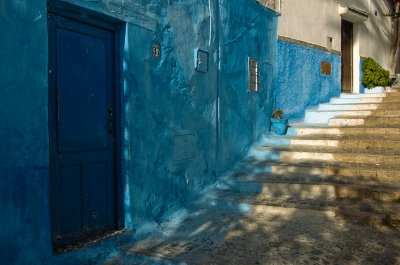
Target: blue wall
{"x": 244, "y": 115}
{"x": 181, "y": 128}
{"x": 300, "y": 84}
{"x": 24, "y": 221}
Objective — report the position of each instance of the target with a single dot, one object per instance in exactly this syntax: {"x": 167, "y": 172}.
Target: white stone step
{"x": 365, "y": 100}
{"x": 320, "y": 117}
{"x": 329, "y": 154}
{"x": 302, "y": 189}
{"x": 310, "y": 130}
{"x": 335, "y": 171}
{"x": 380, "y": 90}
{"x": 373, "y": 213}
{"x": 364, "y": 121}
{"x": 323, "y": 117}
{"x": 359, "y": 106}
{"x": 372, "y": 95}
{"x": 385, "y": 143}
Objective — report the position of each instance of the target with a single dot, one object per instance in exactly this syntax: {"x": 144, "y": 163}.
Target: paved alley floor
{"x": 267, "y": 235}
{"x": 323, "y": 194}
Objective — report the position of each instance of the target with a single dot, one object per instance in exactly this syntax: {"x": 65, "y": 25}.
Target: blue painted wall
{"x": 300, "y": 84}
{"x": 24, "y": 218}
{"x": 181, "y": 128}
{"x": 244, "y": 115}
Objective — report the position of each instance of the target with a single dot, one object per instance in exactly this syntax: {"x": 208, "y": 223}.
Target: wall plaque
{"x": 156, "y": 50}
{"x": 326, "y": 68}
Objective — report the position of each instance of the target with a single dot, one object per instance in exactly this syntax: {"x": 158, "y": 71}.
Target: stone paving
{"x": 270, "y": 235}
{"x": 323, "y": 195}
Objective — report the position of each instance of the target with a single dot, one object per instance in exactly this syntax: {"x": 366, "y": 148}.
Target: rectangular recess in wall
{"x": 329, "y": 43}
{"x": 202, "y": 61}
{"x": 254, "y": 74}
{"x": 184, "y": 147}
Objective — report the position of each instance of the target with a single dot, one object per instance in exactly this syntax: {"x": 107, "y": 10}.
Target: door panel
{"x": 70, "y": 206}
{"x": 347, "y": 56}
{"x": 98, "y": 204}
{"x": 82, "y": 91}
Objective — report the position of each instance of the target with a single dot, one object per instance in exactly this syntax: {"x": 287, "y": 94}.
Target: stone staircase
{"x": 344, "y": 158}
{"x": 299, "y": 198}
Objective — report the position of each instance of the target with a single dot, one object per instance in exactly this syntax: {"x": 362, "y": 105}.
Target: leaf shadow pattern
{"x": 267, "y": 211}
{"x": 232, "y": 225}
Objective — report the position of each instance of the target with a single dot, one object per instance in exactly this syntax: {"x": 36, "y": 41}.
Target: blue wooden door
{"x": 82, "y": 129}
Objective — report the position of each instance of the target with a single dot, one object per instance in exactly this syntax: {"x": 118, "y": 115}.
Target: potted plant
{"x": 279, "y": 124}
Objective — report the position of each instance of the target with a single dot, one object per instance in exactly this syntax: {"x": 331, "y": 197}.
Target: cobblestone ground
{"x": 269, "y": 235}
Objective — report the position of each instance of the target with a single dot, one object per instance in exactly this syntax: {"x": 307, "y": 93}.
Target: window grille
{"x": 254, "y": 75}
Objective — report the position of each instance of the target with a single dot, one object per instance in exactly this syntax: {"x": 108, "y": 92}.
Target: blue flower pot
{"x": 279, "y": 127}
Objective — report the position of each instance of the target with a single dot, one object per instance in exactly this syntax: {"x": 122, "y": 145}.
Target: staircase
{"x": 344, "y": 158}
{"x": 299, "y": 198}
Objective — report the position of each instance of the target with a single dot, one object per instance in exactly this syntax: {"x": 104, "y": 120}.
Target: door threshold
{"x": 89, "y": 241}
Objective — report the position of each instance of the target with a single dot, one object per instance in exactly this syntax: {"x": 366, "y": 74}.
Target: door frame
{"x": 82, "y": 15}
{"x": 351, "y": 49}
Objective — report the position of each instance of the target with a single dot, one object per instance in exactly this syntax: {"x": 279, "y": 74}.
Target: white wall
{"x": 311, "y": 21}
{"x": 376, "y": 34}
{"x": 314, "y": 20}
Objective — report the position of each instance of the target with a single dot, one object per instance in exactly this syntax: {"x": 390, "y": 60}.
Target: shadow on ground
{"x": 232, "y": 226}
{"x": 262, "y": 214}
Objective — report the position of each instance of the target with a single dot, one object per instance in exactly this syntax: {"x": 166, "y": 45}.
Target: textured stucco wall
{"x": 168, "y": 109}
{"x": 165, "y": 99}
{"x": 245, "y": 115}
{"x": 24, "y": 221}
{"x": 300, "y": 84}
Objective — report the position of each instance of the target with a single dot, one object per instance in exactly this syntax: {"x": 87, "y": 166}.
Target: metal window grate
{"x": 254, "y": 75}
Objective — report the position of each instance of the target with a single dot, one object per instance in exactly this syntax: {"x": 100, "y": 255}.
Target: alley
{"x": 154, "y": 132}
{"x": 267, "y": 235}
{"x": 326, "y": 193}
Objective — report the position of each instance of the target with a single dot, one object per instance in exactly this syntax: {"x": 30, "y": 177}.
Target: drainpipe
{"x": 218, "y": 121}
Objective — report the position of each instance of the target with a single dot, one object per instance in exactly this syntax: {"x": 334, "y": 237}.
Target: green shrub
{"x": 374, "y": 74}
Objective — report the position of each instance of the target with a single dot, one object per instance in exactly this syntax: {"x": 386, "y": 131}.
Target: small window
{"x": 254, "y": 75}
{"x": 329, "y": 43}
